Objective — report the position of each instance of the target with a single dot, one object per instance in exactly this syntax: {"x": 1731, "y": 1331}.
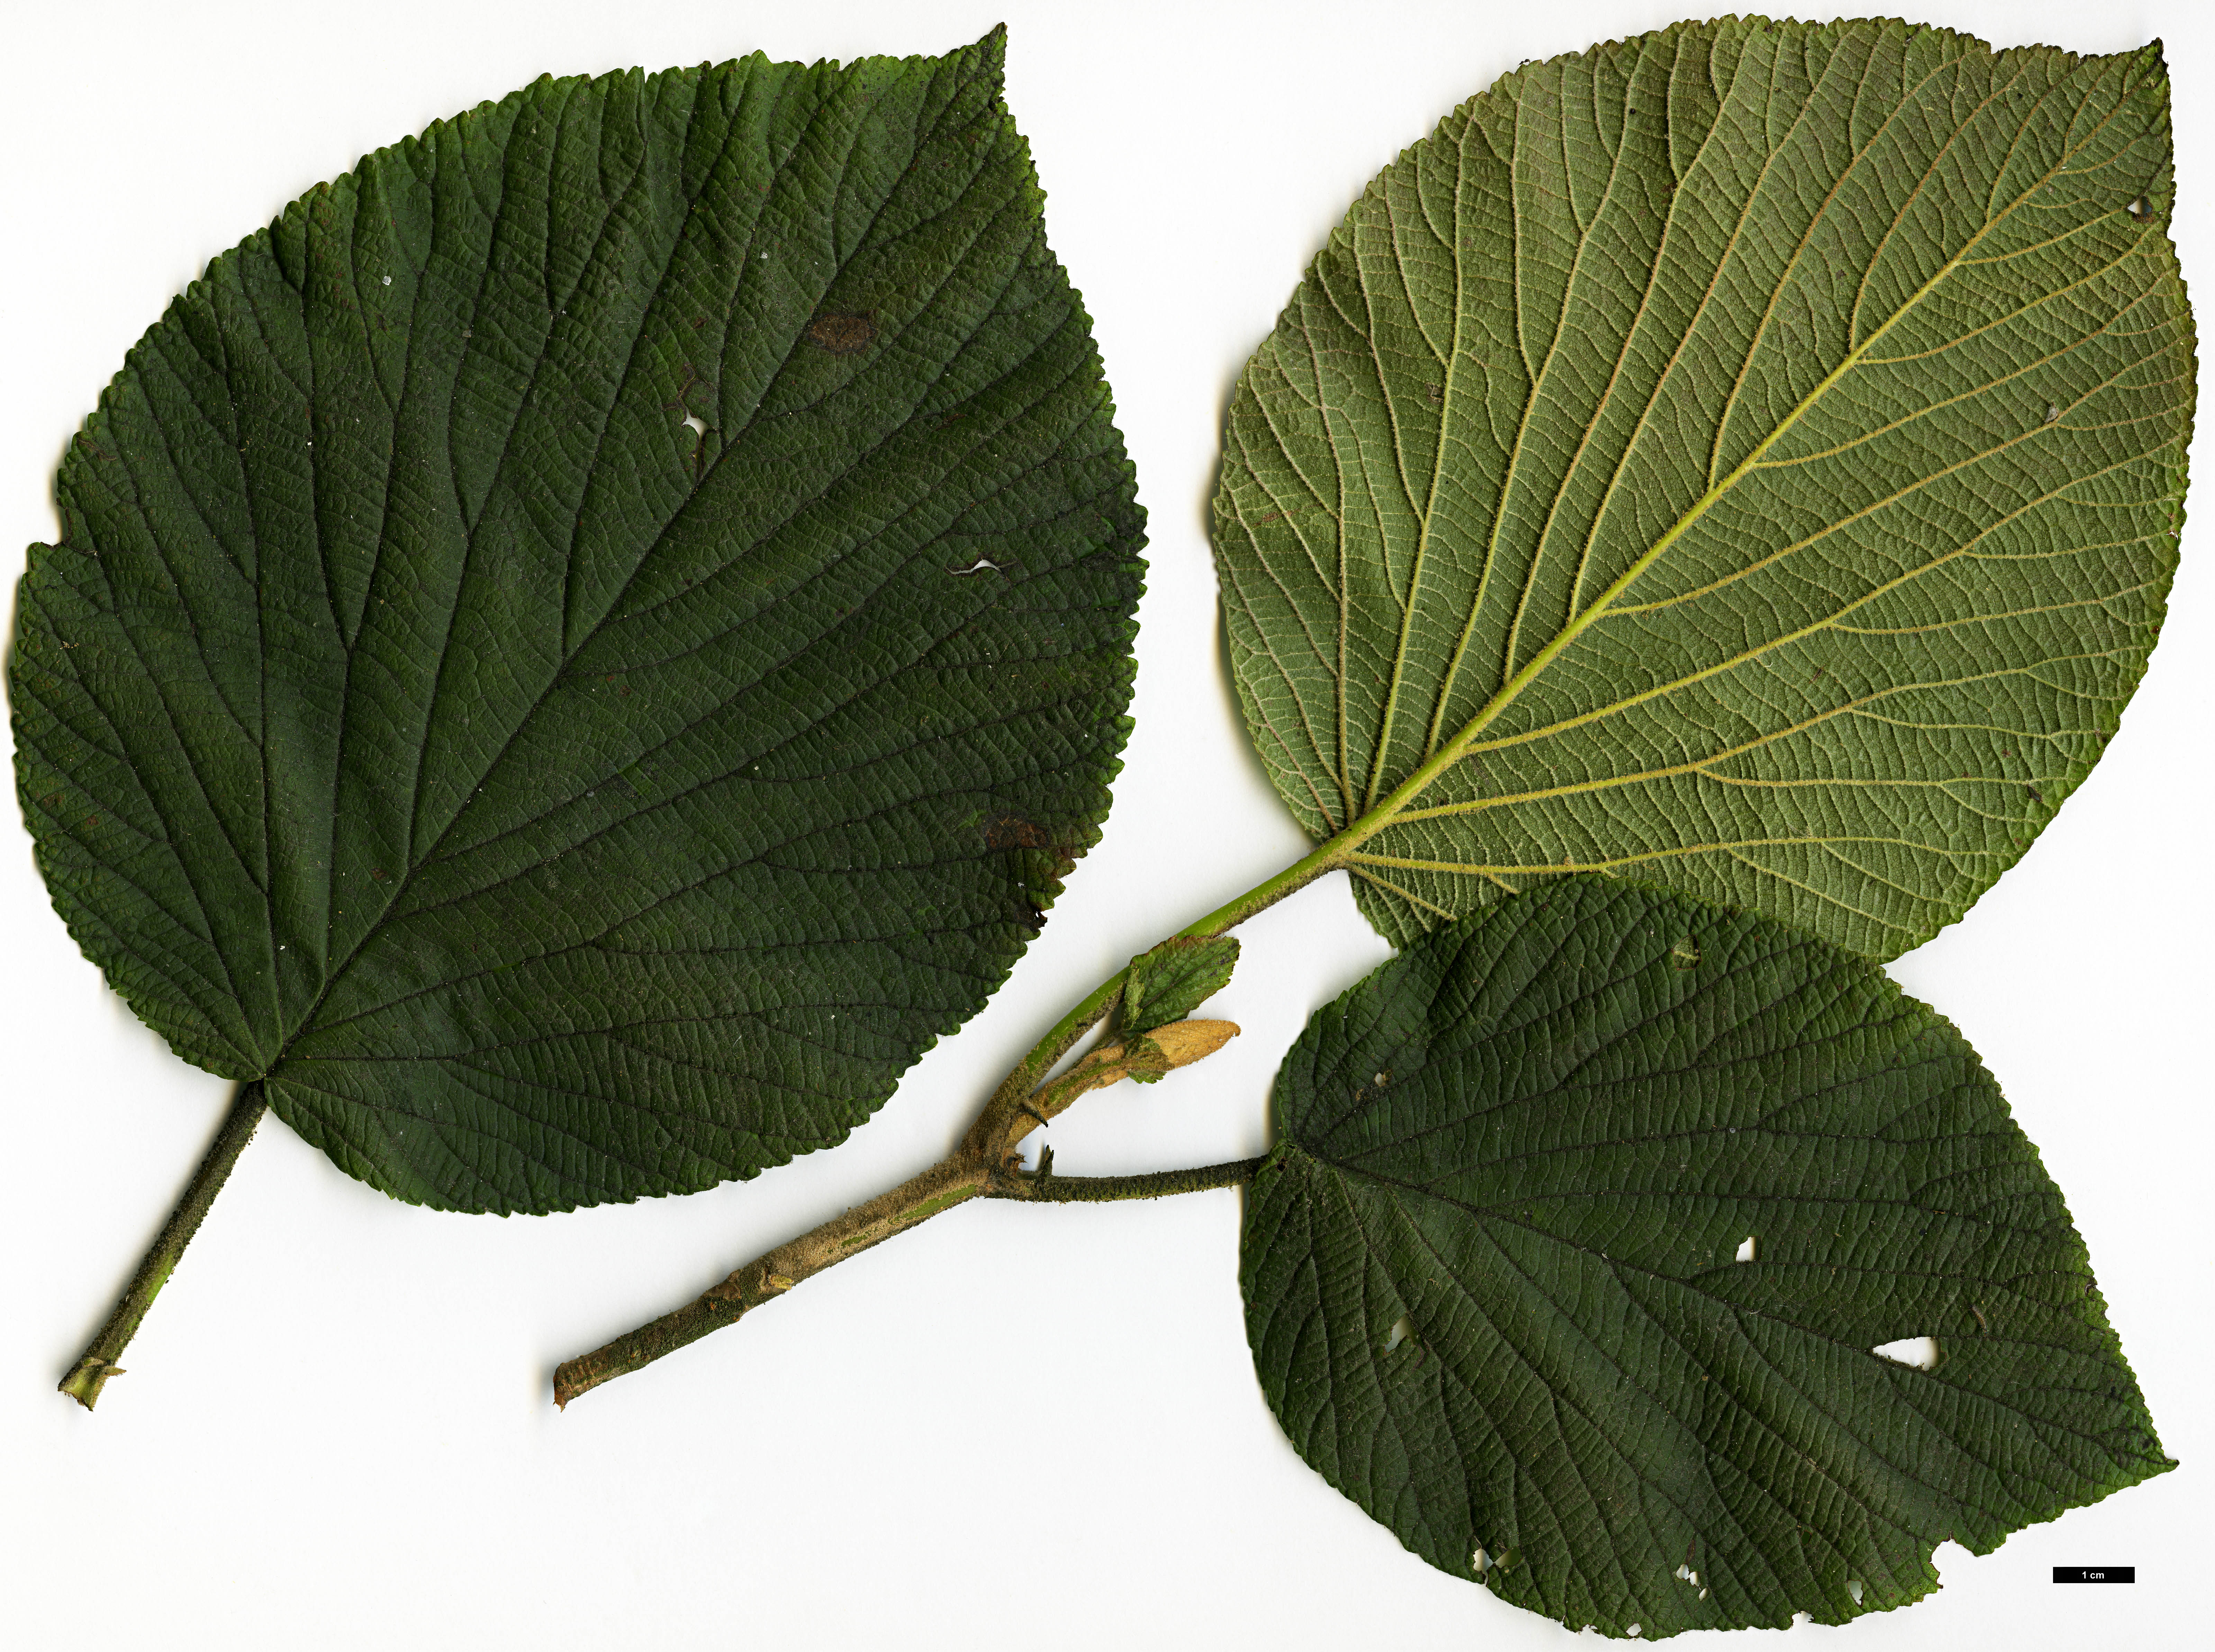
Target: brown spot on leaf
{"x": 1008, "y": 830}
{"x": 842, "y": 333}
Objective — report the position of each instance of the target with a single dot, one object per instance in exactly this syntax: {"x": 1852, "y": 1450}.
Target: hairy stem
{"x": 955, "y": 1179}
{"x": 981, "y": 1165}
{"x": 952, "y": 1181}
{"x": 97, "y": 1363}
{"x": 1045, "y": 1187}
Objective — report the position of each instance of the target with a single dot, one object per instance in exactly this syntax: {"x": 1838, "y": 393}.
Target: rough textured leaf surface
{"x": 1495, "y": 1290}
{"x": 1750, "y": 456}
{"x": 581, "y": 650}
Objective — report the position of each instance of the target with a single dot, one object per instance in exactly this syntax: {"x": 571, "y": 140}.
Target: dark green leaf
{"x": 582, "y": 649}
{"x": 1497, "y": 1293}
{"x": 1751, "y": 454}
{"x": 1176, "y": 978}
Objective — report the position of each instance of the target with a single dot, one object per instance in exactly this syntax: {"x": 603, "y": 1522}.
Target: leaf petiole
{"x": 1043, "y": 1186}
{"x": 98, "y": 1361}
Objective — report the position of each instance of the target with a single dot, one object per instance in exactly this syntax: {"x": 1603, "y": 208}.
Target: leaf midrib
{"x": 1538, "y": 378}
{"x": 306, "y": 1023}
{"x": 1390, "y": 810}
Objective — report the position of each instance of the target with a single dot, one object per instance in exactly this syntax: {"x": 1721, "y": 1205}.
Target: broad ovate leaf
{"x": 1749, "y": 457}
{"x": 1603, "y": 1251}
{"x": 582, "y": 649}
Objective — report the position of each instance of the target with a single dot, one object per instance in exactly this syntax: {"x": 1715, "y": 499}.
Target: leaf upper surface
{"x": 1176, "y": 978}
{"x": 581, "y": 650}
{"x": 1589, "y": 1213}
{"x": 1750, "y": 456}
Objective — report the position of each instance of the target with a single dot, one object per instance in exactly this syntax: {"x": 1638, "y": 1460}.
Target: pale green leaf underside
{"x": 1760, "y": 446}
{"x": 580, "y": 651}
{"x": 1500, "y": 1289}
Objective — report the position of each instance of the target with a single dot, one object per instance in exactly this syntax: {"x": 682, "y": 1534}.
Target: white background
{"x": 1018, "y": 1426}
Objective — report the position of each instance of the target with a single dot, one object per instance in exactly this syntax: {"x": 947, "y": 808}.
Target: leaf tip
{"x": 992, "y": 48}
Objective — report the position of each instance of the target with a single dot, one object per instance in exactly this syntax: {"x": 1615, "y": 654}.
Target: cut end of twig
{"x": 573, "y": 1378}
{"x": 87, "y": 1378}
